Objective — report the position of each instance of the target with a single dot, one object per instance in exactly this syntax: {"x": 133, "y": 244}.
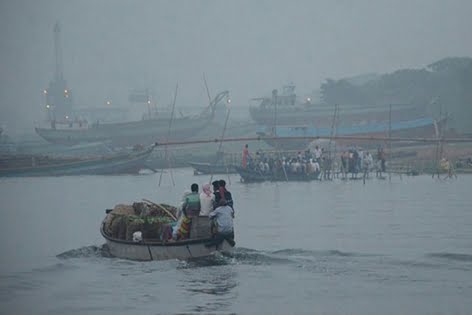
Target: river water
{"x": 399, "y": 246}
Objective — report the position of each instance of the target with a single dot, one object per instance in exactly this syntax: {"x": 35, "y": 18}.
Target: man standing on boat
{"x": 245, "y": 156}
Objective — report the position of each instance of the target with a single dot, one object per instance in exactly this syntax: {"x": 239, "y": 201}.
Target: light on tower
{"x": 45, "y": 92}
{"x": 108, "y": 102}
{"x": 48, "y": 106}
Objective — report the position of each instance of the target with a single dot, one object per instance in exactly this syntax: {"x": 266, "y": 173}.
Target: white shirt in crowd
{"x": 224, "y": 218}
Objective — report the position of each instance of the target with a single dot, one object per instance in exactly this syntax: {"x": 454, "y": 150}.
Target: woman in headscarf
{"x": 206, "y": 200}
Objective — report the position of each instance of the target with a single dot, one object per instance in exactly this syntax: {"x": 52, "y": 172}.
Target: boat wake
{"x": 320, "y": 260}
{"x": 86, "y": 252}
{"x": 452, "y": 256}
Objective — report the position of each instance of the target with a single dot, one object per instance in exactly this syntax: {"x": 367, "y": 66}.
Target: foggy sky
{"x": 248, "y": 47}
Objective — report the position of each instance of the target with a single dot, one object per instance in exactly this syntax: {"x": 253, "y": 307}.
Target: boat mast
{"x": 166, "y": 152}
{"x": 58, "y": 53}
{"x": 390, "y": 139}
{"x": 332, "y": 155}
{"x": 58, "y": 95}
{"x": 274, "y": 132}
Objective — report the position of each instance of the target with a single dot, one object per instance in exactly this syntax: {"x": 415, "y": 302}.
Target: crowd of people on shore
{"x": 214, "y": 202}
{"x": 319, "y": 163}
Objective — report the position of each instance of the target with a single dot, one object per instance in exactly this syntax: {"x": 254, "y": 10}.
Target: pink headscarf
{"x": 207, "y": 189}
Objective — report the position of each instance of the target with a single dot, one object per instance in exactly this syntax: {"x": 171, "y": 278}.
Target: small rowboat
{"x": 208, "y": 168}
{"x": 149, "y": 249}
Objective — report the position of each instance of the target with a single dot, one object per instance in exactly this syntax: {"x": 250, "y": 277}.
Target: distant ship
{"x": 286, "y": 108}
{"x": 66, "y": 128}
{"x": 299, "y": 137}
{"x": 127, "y": 133}
{"x": 300, "y": 122}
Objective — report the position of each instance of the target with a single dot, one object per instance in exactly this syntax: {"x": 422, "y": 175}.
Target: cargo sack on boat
{"x": 140, "y": 208}
{"x": 156, "y": 227}
{"x": 118, "y": 226}
{"x": 160, "y": 210}
{"x": 152, "y": 230}
{"x": 133, "y": 224}
{"x": 118, "y": 210}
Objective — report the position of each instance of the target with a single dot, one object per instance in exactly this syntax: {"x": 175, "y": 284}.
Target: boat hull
{"x": 251, "y": 176}
{"x": 145, "y": 251}
{"x": 322, "y": 115}
{"x": 207, "y": 168}
{"x": 127, "y": 134}
{"x": 171, "y": 250}
{"x": 117, "y": 164}
{"x": 299, "y": 137}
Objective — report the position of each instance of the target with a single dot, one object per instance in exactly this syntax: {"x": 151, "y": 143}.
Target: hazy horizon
{"x": 246, "y": 47}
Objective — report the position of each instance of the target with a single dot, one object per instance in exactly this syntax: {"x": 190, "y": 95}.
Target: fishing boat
{"x": 218, "y": 166}
{"x": 154, "y": 245}
{"x": 40, "y": 165}
{"x": 254, "y": 175}
{"x": 201, "y": 168}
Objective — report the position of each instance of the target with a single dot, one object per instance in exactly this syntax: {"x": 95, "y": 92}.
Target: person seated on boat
{"x": 222, "y": 223}
{"x": 177, "y": 232}
{"x": 191, "y": 206}
{"x": 182, "y": 202}
{"x": 181, "y": 230}
{"x": 206, "y": 200}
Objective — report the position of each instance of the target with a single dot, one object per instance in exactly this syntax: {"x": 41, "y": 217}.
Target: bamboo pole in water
{"x": 355, "y": 138}
{"x": 166, "y": 155}
{"x": 389, "y": 138}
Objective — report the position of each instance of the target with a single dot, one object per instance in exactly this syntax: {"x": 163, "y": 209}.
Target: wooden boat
{"x": 32, "y": 165}
{"x": 127, "y": 133}
{"x": 299, "y": 137}
{"x": 286, "y": 108}
{"x": 250, "y": 175}
{"x": 200, "y": 245}
{"x": 209, "y": 168}
{"x": 150, "y": 130}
